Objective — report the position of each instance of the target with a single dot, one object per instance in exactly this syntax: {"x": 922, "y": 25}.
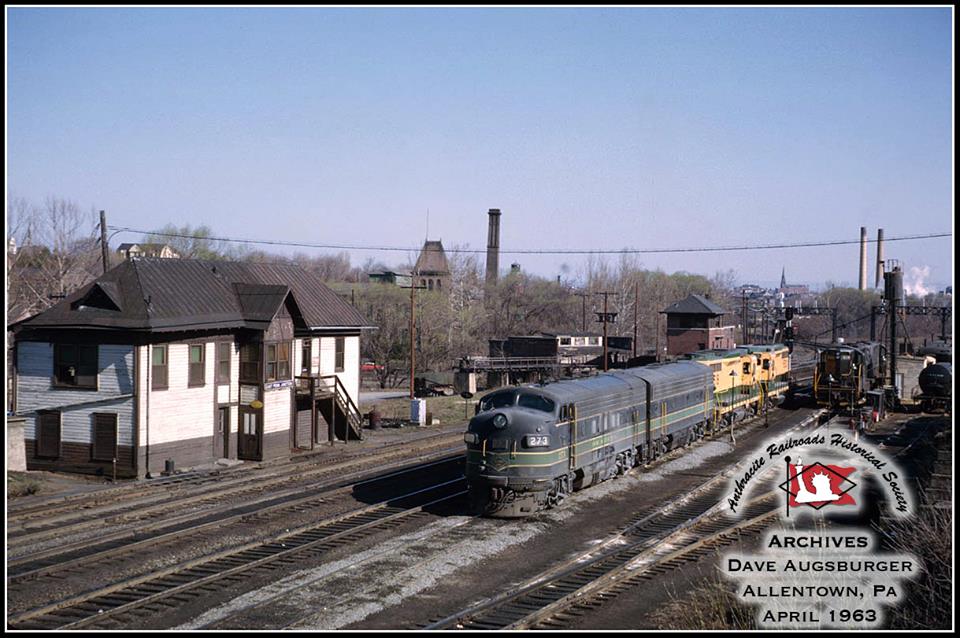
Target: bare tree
{"x": 332, "y": 268}
{"x": 57, "y": 253}
{"x": 189, "y": 242}
{"x": 388, "y": 346}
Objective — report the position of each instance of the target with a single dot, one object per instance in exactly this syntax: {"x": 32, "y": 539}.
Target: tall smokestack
{"x": 863, "y": 258}
{"x": 493, "y": 245}
{"x": 879, "y": 280}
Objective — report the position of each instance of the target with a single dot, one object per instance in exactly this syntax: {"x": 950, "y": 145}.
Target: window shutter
{"x": 104, "y": 436}
{"x": 159, "y": 368}
{"x": 224, "y": 351}
{"x": 338, "y": 354}
{"x": 48, "y": 434}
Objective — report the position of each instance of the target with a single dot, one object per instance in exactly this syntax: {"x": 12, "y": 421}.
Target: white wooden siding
{"x": 350, "y": 377}
{"x": 315, "y": 355}
{"x": 35, "y": 391}
{"x": 277, "y": 410}
{"x": 179, "y": 412}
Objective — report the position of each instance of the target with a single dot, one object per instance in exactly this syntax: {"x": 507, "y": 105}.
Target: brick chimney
{"x": 493, "y": 245}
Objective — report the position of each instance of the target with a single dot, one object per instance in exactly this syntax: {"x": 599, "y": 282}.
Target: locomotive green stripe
{"x": 777, "y": 386}
{"x": 507, "y": 460}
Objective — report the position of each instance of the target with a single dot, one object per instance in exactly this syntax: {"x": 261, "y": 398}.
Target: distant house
{"x": 567, "y": 349}
{"x": 137, "y": 251}
{"x": 585, "y": 347}
{"x": 390, "y": 277}
{"x": 432, "y": 270}
{"x": 694, "y": 324}
{"x": 190, "y": 361}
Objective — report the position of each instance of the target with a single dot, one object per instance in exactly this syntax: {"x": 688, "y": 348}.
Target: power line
{"x": 534, "y": 251}
{"x": 844, "y": 325}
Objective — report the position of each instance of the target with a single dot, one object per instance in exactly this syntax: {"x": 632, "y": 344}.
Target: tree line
{"x": 57, "y": 252}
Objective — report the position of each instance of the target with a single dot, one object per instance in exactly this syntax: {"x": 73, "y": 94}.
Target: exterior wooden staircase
{"x": 333, "y": 402}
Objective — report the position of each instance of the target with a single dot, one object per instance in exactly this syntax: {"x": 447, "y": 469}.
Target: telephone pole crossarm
{"x": 605, "y": 317}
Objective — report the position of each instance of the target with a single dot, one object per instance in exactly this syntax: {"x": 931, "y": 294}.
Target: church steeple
{"x": 783, "y": 278}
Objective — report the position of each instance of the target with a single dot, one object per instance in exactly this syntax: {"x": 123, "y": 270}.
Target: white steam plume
{"x": 913, "y": 281}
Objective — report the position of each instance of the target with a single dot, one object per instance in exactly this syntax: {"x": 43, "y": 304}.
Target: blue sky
{"x": 588, "y": 128}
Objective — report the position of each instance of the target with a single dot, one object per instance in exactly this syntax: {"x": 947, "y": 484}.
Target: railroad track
{"x": 142, "y": 595}
{"x": 651, "y": 544}
{"x": 123, "y": 604}
{"x": 657, "y": 544}
{"x": 240, "y": 616}
{"x": 140, "y": 493}
{"x": 563, "y": 612}
{"x": 126, "y": 547}
{"x": 647, "y": 548}
{"x": 130, "y": 510}
{"x": 250, "y": 616}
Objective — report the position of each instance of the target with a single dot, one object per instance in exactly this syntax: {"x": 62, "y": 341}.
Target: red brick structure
{"x": 695, "y": 323}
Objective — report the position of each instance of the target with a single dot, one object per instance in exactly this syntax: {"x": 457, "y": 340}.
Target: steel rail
{"x": 36, "y": 566}
{"x": 151, "y": 508}
{"x": 628, "y": 575}
{"x": 567, "y": 585}
{"x": 42, "y": 509}
{"x": 677, "y": 518}
{"x": 98, "y": 605}
{"x": 591, "y": 596}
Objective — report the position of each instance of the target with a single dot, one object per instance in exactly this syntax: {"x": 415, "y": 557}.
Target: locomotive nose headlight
{"x": 470, "y": 437}
{"x": 500, "y": 421}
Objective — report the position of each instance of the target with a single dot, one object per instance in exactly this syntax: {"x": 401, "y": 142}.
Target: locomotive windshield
{"x": 836, "y": 363}
{"x": 536, "y": 402}
{"x": 510, "y": 398}
{"x": 497, "y": 400}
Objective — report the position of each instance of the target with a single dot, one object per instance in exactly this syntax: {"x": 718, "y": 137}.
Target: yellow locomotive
{"x": 746, "y": 378}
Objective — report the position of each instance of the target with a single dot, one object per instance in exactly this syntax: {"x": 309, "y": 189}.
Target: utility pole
{"x": 656, "y": 332}
{"x": 583, "y": 322}
{"x": 636, "y": 304}
{"x": 743, "y": 314}
{"x": 605, "y": 317}
{"x": 105, "y": 250}
{"x": 892, "y": 294}
{"x": 413, "y": 324}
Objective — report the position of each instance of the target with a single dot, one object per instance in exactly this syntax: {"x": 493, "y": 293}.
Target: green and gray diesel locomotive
{"x": 529, "y": 447}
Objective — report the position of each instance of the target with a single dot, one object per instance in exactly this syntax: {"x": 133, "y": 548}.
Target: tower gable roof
{"x": 694, "y": 305}
{"x": 432, "y": 259}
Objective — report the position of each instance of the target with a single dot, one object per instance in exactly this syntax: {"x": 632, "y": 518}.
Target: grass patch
{"x": 447, "y": 410}
{"x": 710, "y": 606}
{"x": 22, "y": 484}
{"x": 929, "y": 598}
